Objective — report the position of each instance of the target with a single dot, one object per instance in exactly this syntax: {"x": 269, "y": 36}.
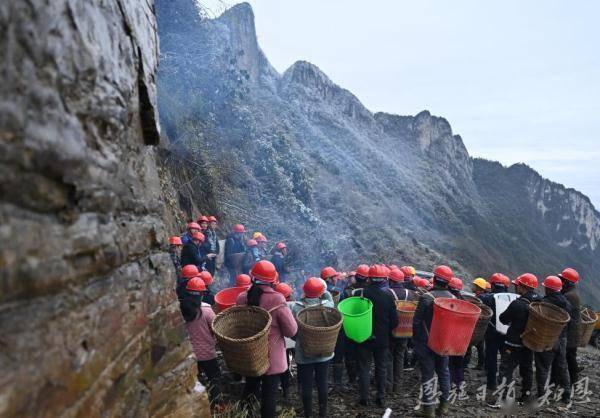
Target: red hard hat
{"x": 239, "y": 228}
{"x": 407, "y": 271}
{"x": 570, "y": 275}
{"x": 488, "y": 285}
{"x": 199, "y": 236}
{"x": 202, "y": 218}
{"x": 188, "y": 271}
{"x": 455, "y": 283}
{"x": 396, "y": 275}
{"x": 261, "y": 238}
{"x": 499, "y": 278}
{"x": 419, "y": 282}
{"x": 207, "y": 277}
{"x": 251, "y": 243}
{"x": 175, "y": 240}
{"x": 280, "y": 246}
{"x": 393, "y": 267}
{"x": 313, "y": 287}
{"x": 212, "y": 219}
{"x": 243, "y": 280}
{"x": 328, "y": 272}
{"x": 193, "y": 225}
{"x": 528, "y": 280}
{"x": 264, "y": 271}
{"x": 552, "y": 283}
{"x": 195, "y": 284}
{"x": 284, "y": 289}
{"x": 362, "y": 270}
{"x": 443, "y": 272}
{"x": 378, "y": 271}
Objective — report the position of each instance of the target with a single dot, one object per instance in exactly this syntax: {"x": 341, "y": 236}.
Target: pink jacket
{"x": 283, "y": 324}
{"x": 201, "y": 336}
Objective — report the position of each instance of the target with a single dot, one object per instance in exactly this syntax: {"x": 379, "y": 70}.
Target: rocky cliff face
{"x": 302, "y": 158}
{"x": 89, "y": 324}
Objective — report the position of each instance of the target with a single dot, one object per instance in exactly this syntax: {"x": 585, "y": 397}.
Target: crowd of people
{"x": 263, "y": 276}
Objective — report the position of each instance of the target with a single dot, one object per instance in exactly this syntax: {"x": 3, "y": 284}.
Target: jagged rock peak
{"x": 307, "y": 74}
{"x": 239, "y": 19}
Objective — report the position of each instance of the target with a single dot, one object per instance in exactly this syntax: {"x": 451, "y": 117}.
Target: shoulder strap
{"x": 393, "y": 293}
{"x": 276, "y": 307}
{"x": 405, "y": 294}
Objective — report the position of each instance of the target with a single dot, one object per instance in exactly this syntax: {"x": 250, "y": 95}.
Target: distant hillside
{"x": 302, "y": 158}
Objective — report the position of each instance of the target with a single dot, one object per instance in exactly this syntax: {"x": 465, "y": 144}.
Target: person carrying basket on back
{"x": 430, "y": 362}
{"x": 312, "y": 370}
{"x": 283, "y": 324}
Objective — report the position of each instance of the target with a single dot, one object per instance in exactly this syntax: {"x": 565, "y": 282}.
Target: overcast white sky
{"x": 518, "y": 80}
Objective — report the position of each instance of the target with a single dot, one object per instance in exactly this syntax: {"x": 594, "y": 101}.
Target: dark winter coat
{"x": 193, "y": 254}
{"x": 573, "y": 331}
{"x": 211, "y": 243}
{"x": 402, "y": 293}
{"x": 558, "y": 299}
{"x": 385, "y": 316}
{"x": 233, "y": 245}
{"x": 424, "y": 314}
{"x": 516, "y": 316}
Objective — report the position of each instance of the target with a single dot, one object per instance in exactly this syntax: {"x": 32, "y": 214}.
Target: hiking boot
{"x": 427, "y": 411}
{"x": 490, "y": 398}
{"x": 379, "y": 402}
{"x": 442, "y": 409}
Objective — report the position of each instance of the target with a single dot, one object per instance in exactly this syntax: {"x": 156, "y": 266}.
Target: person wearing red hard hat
{"x": 312, "y": 371}
{"x": 263, "y": 243}
{"x": 211, "y": 246}
{"x": 283, "y": 324}
{"x": 203, "y": 222}
{"x": 234, "y": 252}
{"x": 252, "y": 255}
{"x": 493, "y": 340}
{"x": 514, "y": 352}
{"x": 198, "y": 317}
{"x": 456, "y": 364}
{"x": 285, "y": 290}
{"x": 570, "y": 277}
{"x": 430, "y": 362}
{"x": 558, "y": 354}
{"x": 209, "y": 296}
{"x": 399, "y": 343}
{"x": 279, "y": 259}
{"x": 243, "y": 280}
{"x": 175, "y": 246}
{"x": 385, "y": 319}
{"x": 191, "y": 228}
{"x": 193, "y": 252}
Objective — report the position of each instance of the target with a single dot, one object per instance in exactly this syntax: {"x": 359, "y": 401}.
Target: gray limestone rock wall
{"x": 89, "y": 323}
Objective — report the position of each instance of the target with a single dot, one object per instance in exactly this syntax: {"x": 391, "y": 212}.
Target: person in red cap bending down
{"x": 430, "y": 362}
{"x": 283, "y": 324}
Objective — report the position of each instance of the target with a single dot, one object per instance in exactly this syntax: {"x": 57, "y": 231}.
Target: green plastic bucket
{"x": 358, "y": 318}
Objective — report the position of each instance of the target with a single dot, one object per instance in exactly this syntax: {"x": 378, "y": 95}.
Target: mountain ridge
{"x": 313, "y": 151}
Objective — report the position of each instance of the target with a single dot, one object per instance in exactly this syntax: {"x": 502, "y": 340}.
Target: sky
{"x": 518, "y": 80}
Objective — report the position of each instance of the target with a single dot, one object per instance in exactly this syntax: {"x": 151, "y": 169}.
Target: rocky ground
{"x": 585, "y": 403}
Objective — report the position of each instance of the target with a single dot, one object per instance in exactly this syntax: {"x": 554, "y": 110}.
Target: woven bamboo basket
{"x": 482, "y": 323}
{"x": 586, "y": 328}
{"x": 319, "y": 327}
{"x": 545, "y": 323}
{"x": 242, "y": 334}
{"x": 406, "y": 313}
{"x": 335, "y": 295}
{"x": 473, "y": 299}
